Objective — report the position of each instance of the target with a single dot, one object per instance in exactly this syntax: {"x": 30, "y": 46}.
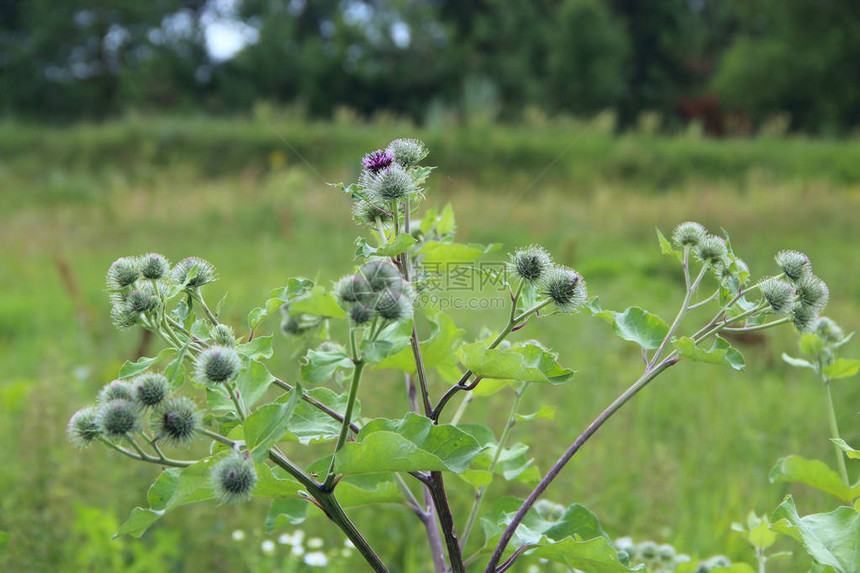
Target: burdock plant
{"x": 376, "y": 318}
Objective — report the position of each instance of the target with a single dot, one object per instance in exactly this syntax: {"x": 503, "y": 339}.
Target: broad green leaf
{"x": 252, "y": 382}
{"x": 258, "y": 349}
{"x": 318, "y": 302}
{"x": 445, "y": 224}
{"x": 721, "y": 352}
{"x": 284, "y": 512}
{"x": 438, "y": 351}
{"x": 139, "y": 521}
{"x": 436, "y": 252}
{"x": 296, "y": 287}
{"x": 361, "y": 490}
{"x": 527, "y": 362}
{"x": 310, "y": 425}
{"x": 393, "y": 338}
{"x": 266, "y": 426}
{"x": 400, "y": 244}
{"x": 132, "y": 369}
{"x": 411, "y": 444}
{"x": 636, "y": 325}
{"x": 513, "y": 464}
{"x": 544, "y": 413}
{"x": 849, "y": 451}
{"x": 757, "y": 531}
{"x": 814, "y": 473}
{"x": 798, "y": 362}
{"x": 275, "y": 482}
{"x": 666, "y": 247}
{"x": 320, "y": 364}
{"x": 842, "y": 368}
{"x": 832, "y": 539}
{"x": 591, "y": 556}
{"x": 811, "y": 344}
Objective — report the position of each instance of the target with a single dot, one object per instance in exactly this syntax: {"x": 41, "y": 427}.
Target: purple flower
{"x": 376, "y": 161}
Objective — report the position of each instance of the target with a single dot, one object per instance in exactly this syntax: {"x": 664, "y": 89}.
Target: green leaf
{"x": 132, "y": 369}
{"x": 361, "y": 490}
{"x": 811, "y": 344}
{"x": 721, "y": 352}
{"x": 666, "y": 247}
{"x": 636, "y": 325}
{"x": 296, "y": 287}
{"x": 544, "y": 413}
{"x": 842, "y": 368}
{"x": 528, "y": 362}
{"x": 436, "y": 252}
{"x": 757, "y": 531}
{"x": 798, "y": 362}
{"x": 400, "y": 244}
{"x": 320, "y": 364}
{"x": 266, "y": 426}
{"x": 831, "y": 539}
{"x": 275, "y": 482}
{"x": 253, "y": 381}
{"x": 259, "y": 348}
{"x": 849, "y": 451}
{"x": 438, "y": 351}
{"x": 139, "y": 521}
{"x": 311, "y": 425}
{"x": 513, "y": 463}
{"x": 445, "y": 224}
{"x": 391, "y": 340}
{"x": 284, "y": 512}
{"x": 592, "y": 556}
{"x": 814, "y": 473}
{"x": 174, "y": 372}
{"x": 411, "y": 444}
{"x": 318, "y": 302}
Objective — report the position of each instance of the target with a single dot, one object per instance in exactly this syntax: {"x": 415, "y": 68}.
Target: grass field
{"x": 685, "y": 459}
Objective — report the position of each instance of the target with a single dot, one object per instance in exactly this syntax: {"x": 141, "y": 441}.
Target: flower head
{"x": 812, "y": 292}
{"x": 223, "y": 335}
{"x": 361, "y": 314}
{"x": 368, "y": 213}
{"x": 175, "y": 420}
{"x": 154, "y": 266}
{"x": 204, "y": 272}
{"x": 142, "y": 299}
{"x": 217, "y": 364}
{"x": 233, "y": 478}
{"x": 392, "y": 184}
{"x": 689, "y": 234}
{"x": 407, "y": 152}
{"x": 565, "y": 287}
{"x": 803, "y": 317}
{"x": 531, "y": 262}
{"x": 794, "y": 264}
{"x": 83, "y": 428}
{"x": 778, "y": 294}
{"x": 376, "y": 161}
{"x": 116, "y": 390}
{"x": 712, "y": 249}
{"x": 122, "y": 273}
{"x": 150, "y": 389}
{"x": 352, "y": 288}
{"x": 381, "y": 276}
{"x": 828, "y": 330}
{"x": 117, "y": 417}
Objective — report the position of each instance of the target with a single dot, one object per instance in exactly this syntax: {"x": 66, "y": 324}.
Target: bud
{"x": 689, "y": 234}
{"x": 150, "y": 389}
{"x": 828, "y": 330}
{"x": 803, "y": 318}
{"x": 122, "y": 317}
{"x": 394, "y": 307}
{"x": 154, "y": 266}
{"x": 703, "y": 568}
{"x": 352, "y": 288}
{"x": 381, "y": 276}
{"x": 117, "y": 417}
{"x": 122, "y": 273}
{"x": 778, "y": 294}
{"x": 549, "y": 510}
{"x": 812, "y": 292}
{"x": 795, "y": 265}
{"x": 360, "y": 314}
{"x": 142, "y": 299}
{"x": 217, "y": 364}
{"x": 223, "y": 335}
{"x": 176, "y": 420}
{"x": 565, "y": 287}
{"x": 116, "y": 390}
{"x": 376, "y": 161}
{"x": 368, "y": 213}
{"x": 719, "y": 561}
{"x": 407, "y": 152}
{"x": 205, "y": 272}
{"x": 83, "y": 428}
{"x": 392, "y": 184}
{"x": 233, "y": 478}
{"x": 666, "y": 553}
{"x": 648, "y": 550}
{"x": 531, "y": 262}
{"x": 711, "y": 250}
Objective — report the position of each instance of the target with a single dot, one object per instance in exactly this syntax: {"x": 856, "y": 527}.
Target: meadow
{"x": 685, "y": 459}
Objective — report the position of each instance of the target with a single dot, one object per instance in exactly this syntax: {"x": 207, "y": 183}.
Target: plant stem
{"x": 315, "y": 403}
{"x": 684, "y": 306}
{"x": 335, "y": 512}
{"x": 643, "y": 381}
{"x": 344, "y": 428}
{"x": 761, "y": 560}
{"x": 146, "y": 458}
{"x": 503, "y": 440}
{"x": 834, "y": 431}
{"x": 758, "y": 326}
{"x": 199, "y": 298}
{"x": 235, "y": 398}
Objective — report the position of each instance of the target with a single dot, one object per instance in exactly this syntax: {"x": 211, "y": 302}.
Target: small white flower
{"x": 238, "y": 535}
{"x": 268, "y": 547}
{"x": 533, "y": 569}
{"x": 285, "y": 539}
{"x": 346, "y": 552}
{"x": 298, "y": 537}
{"x": 316, "y": 559}
{"x": 315, "y": 543}
{"x": 297, "y": 550}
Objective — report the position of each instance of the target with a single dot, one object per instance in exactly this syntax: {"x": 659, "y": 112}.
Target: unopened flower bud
{"x": 803, "y": 317}
{"x": 648, "y": 550}
{"x": 234, "y": 478}
{"x": 381, "y": 276}
{"x": 361, "y": 314}
{"x": 795, "y": 265}
{"x": 217, "y": 364}
{"x": 122, "y": 317}
{"x": 176, "y": 420}
{"x": 408, "y": 152}
{"x": 689, "y": 234}
{"x": 154, "y": 266}
{"x": 711, "y": 249}
{"x": 828, "y": 330}
{"x": 392, "y": 184}
{"x": 394, "y": 307}
{"x": 812, "y": 292}
{"x": 116, "y": 390}
{"x": 223, "y": 335}
{"x": 352, "y": 288}
{"x": 565, "y": 287}
{"x": 376, "y": 161}
{"x": 368, "y": 213}
{"x": 142, "y": 299}
{"x": 150, "y": 389}
{"x": 117, "y": 417}
{"x": 778, "y": 294}
{"x": 83, "y": 428}
{"x": 531, "y": 262}
{"x": 205, "y": 272}
{"x": 666, "y": 553}
{"x": 122, "y": 273}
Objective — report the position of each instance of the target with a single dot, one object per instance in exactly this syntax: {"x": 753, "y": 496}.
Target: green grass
{"x": 685, "y": 459}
